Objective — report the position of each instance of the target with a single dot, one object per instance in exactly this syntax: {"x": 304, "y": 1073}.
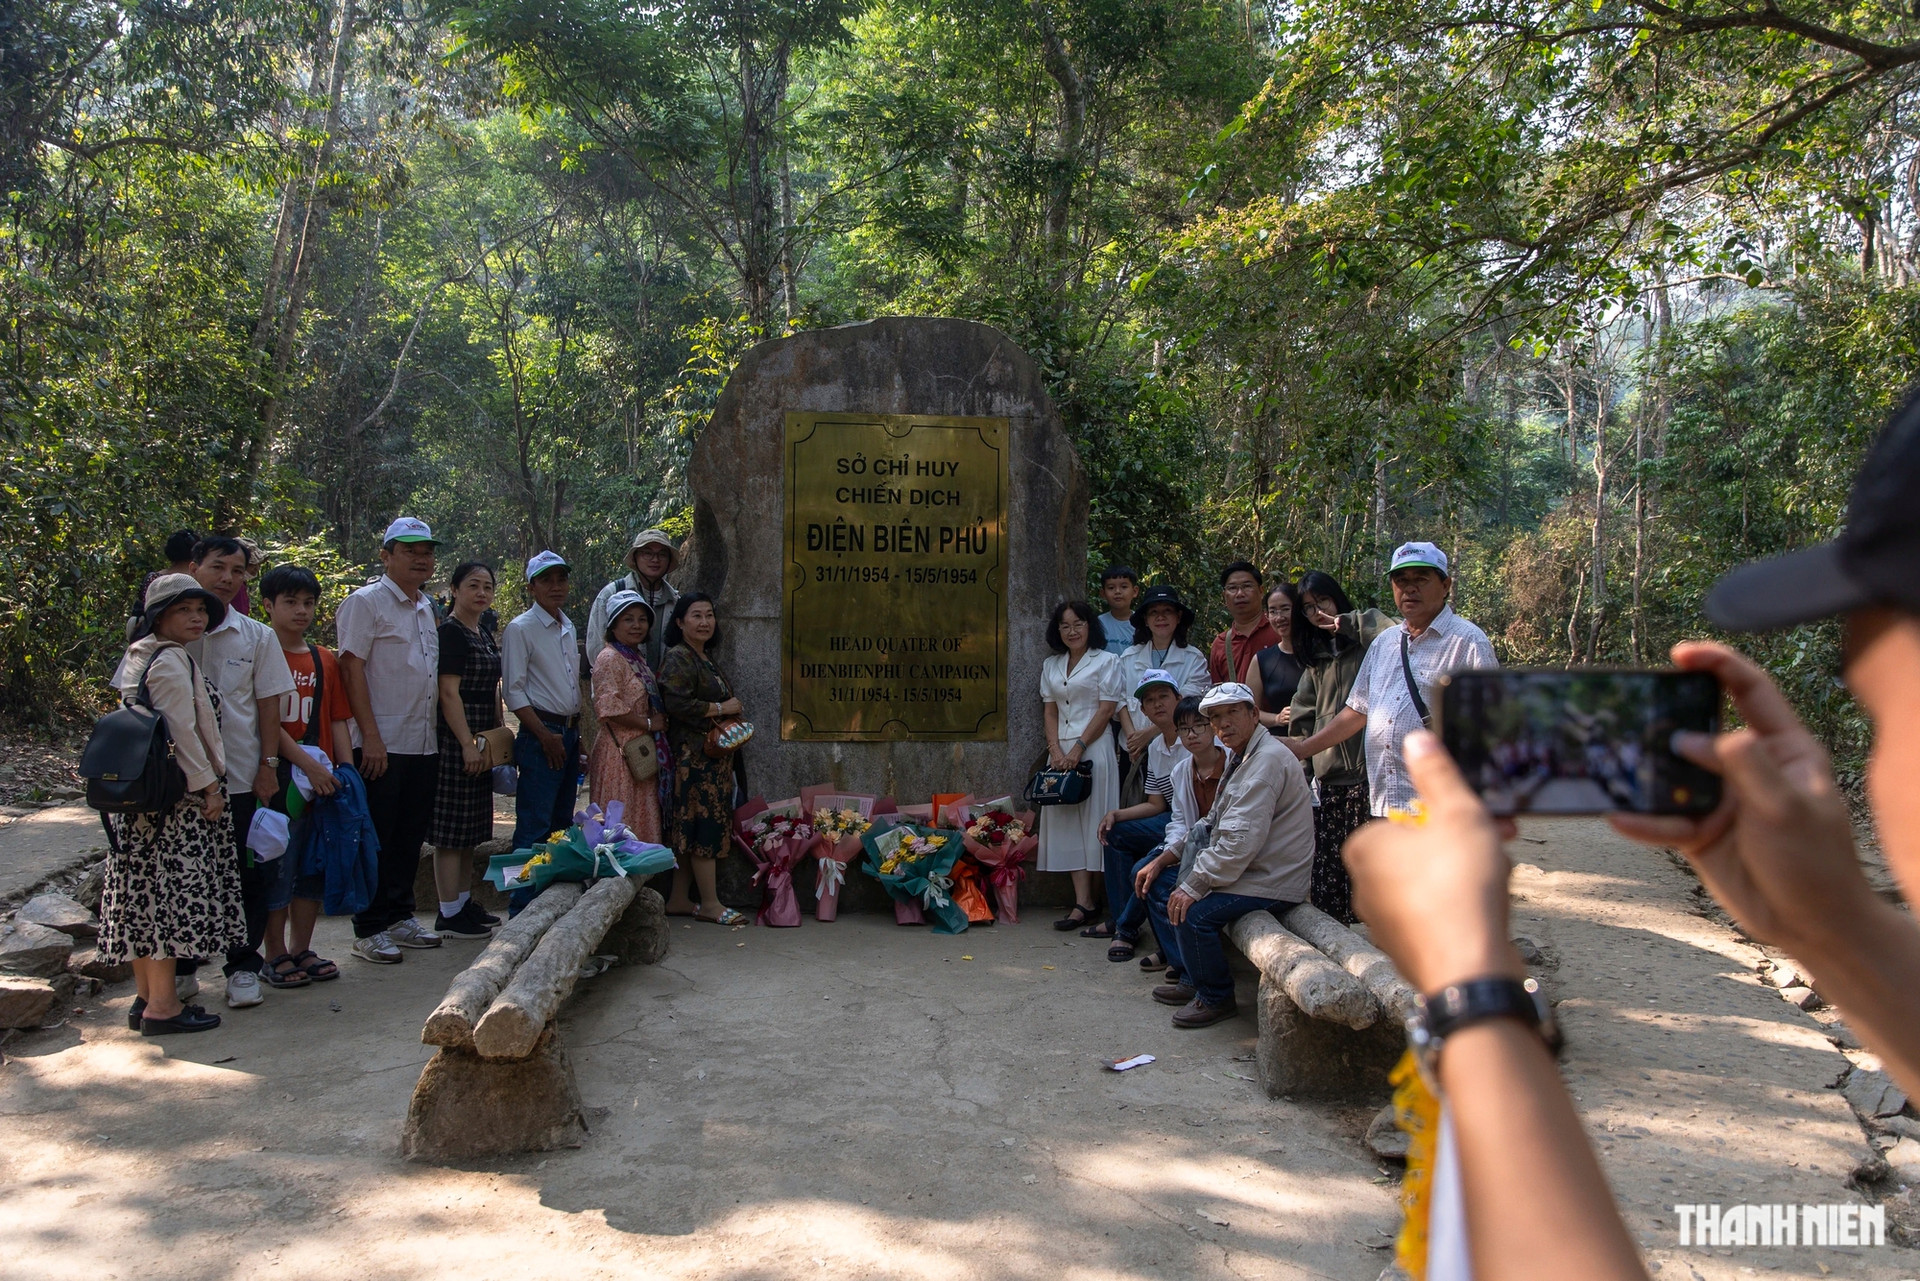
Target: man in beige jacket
{"x": 1254, "y": 854}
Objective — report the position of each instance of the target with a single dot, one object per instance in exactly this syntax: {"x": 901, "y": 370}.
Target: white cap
{"x": 1225, "y": 694}
{"x": 407, "y": 529}
{"x": 1418, "y": 556}
{"x": 542, "y": 562}
{"x": 267, "y": 834}
{"x": 1155, "y": 676}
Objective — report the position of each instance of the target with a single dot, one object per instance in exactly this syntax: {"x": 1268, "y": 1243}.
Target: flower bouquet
{"x": 1002, "y": 842}
{"x": 915, "y": 864}
{"x": 952, "y": 813}
{"x": 839, "y": 820}
{"x": 597, "y": 845}
{"x": 775, "y": 837}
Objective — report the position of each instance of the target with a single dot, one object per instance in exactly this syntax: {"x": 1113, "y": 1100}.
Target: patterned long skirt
{"x": 173, "y": 889}
{"x": 1340, "y": 812}
{"x": 702, "y": 799}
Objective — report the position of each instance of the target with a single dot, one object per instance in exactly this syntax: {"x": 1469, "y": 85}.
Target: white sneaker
{"x": 377, "y": 948}
{"x": 410, "y": 933}
{"x": 185, "y": 985}
{"x": 243, "y": 989}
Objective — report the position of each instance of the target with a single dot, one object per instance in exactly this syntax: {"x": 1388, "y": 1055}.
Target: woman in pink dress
{"x": 626, "y": 698}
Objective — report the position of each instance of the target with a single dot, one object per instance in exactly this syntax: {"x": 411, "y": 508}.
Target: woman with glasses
{"x": 1081, "y": 688}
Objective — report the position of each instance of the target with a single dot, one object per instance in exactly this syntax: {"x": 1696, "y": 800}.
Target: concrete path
{"x": 862, "y": 1100}
{"x": 45, "y": 843}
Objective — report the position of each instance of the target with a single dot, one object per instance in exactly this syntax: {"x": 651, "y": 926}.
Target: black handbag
{"x": 128, "y": 763}
{"x": 1061, "y": 786}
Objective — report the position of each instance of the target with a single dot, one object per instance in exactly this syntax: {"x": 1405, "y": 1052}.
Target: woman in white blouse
{"x": 1161, "y": 622}
{"x": 1081, "y": 686}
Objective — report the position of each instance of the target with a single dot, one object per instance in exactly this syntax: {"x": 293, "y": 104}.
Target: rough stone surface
{"x": 26, "y": 1002}
{"x": 1904, "y": 1157}
{"x": 1302, "y": 1057}
{"x": 58, "y": 912}
{"x": 1387, "y": 1139}
{"x": 33, "y": 950}
{"x": 641, "y": 936}
{"x": 465, "y": 1106}
{"x": 1804, "y": 997}
{"x": 88, "y": 963}
{"x": 899, "y": 365}
{"x": 1874, "y": 1094}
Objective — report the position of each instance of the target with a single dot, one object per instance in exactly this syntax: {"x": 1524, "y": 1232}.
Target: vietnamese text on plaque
{"x": 895, "y": 624}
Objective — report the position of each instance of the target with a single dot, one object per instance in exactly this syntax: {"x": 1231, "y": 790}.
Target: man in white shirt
{"x": 390, "y": 661}
{"x": 1394, "y": 691}
{"x": 651, "y": 558}
{"x": 540, "y": 677}
{"x": 243, "y": 660}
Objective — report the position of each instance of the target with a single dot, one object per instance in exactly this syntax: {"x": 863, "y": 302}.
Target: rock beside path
{"x": 33, "y": 950}
{"x": 89, "y": 965}
{"x": 26, "y": 1002}
{"x": 58, "y": 912}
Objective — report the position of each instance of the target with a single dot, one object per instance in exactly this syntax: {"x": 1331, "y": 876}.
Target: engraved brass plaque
{"x": 895, "y": 624}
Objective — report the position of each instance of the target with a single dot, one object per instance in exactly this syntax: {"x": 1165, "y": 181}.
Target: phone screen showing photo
{"x": 1551, "y": 741}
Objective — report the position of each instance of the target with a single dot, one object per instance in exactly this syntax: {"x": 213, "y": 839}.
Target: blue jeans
{"x": 1163, "y": 931}
{"x": 1127, "y": 842}
{"x": 543, "y": 803}
{"x": 1200, "y": 948}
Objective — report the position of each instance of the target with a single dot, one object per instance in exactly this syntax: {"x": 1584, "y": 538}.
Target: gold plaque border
{"x": 992, "y": 726}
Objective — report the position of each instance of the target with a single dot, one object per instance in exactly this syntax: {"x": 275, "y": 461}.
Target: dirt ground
{"x": 862, "y": 1100}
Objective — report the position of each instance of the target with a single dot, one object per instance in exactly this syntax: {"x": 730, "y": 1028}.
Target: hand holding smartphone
{"x": 1580, "y": 741}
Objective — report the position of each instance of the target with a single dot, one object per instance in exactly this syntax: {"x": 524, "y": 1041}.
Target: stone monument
{"x": 884, "y": 514}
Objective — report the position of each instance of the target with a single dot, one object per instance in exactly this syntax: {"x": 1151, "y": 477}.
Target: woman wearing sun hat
{"x": 171, "y": 887}
{"x": 1161, "y": 621}
{"x": 626, "y": 698}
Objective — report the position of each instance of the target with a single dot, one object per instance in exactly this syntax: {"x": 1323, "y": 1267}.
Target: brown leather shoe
{"x": 1173, "y": 994}
{"x": 1197, "y": 1013}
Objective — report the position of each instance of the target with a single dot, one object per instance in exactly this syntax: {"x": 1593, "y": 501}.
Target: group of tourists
{"x": 1249, "y": 764}
{"x": 398, "y": 736}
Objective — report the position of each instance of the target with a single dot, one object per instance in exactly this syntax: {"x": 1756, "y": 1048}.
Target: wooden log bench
{"x": 1331, "y": 1008}
{"x": 501, "y": 1081}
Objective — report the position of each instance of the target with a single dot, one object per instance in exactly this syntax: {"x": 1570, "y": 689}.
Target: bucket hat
{"x": 652, "y": 538}
{"x": 169, "y": 590}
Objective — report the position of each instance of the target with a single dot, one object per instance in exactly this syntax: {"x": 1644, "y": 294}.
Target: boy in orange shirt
{"x": 316, "y": 715}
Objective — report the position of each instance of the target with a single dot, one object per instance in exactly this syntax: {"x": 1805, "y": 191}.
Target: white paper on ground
{"x": 1138, "y": 1060}
{"x": 267, "y": 834}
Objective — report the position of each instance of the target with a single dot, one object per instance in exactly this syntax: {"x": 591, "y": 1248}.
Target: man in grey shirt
{"x": 1257, "y": 857}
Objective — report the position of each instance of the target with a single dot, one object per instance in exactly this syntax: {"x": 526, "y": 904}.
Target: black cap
{"x": 1876, "y": 559}
{"x": 1163, "y": 595}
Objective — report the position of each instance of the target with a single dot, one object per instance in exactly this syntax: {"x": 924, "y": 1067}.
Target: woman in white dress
{"x": 1081, "y": 686}
{"x": 1160, "y": 624}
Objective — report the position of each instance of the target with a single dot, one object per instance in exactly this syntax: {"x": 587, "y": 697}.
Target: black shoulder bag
{"x": 1413, "y": 686}
{"x": 129, "y": 762}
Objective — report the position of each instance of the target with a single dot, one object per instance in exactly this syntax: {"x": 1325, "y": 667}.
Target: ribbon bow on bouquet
{"x": 936, "y": 892}
{"x": 833, "y": 874}
{"x": 597, "y": 845}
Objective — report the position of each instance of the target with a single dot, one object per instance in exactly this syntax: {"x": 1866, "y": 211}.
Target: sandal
{"x": 318, "y": 968}
{"x": 1153, "y": 963}
{"x": 727, "y": 917}
{"x": 1080, "y": 915}
{"x": 292, "y": 976}
{"x": 1120, "y": 950}
{"x": 1104, "y": 930}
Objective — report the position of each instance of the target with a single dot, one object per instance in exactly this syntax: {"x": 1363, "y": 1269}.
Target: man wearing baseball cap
{"x": 1394, "y": 690}
{"x": 1257, "y": 856}
{"x": 540, "y": 679}
{"x": 650, "y": 559}
{"x": 390, "y": 661}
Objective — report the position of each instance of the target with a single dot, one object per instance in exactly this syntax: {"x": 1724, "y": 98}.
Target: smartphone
{"x": 1536, "y": 740}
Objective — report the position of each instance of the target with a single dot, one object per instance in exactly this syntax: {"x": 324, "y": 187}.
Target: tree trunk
{"x": 789, "y": 285}
{"x": 1072, "y": 134}
{"x": 1597, "y": 609}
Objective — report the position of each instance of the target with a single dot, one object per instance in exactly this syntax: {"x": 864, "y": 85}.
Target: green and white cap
{"x": 1419, "y": 556}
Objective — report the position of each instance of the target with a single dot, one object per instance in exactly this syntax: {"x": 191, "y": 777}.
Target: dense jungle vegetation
{"x": 1603, "y": 295}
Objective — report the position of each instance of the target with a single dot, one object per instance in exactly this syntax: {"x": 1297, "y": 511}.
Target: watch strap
{"x": 1460, "y": 1005}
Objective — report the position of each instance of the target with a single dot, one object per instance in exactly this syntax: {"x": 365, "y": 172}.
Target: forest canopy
{"x": 1603, "y": 296}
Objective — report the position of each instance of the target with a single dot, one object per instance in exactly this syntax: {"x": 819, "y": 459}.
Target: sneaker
{"x": 243, "y": 989}
{"x": 410, "y": 933}
{"x": 1197, "y": 1013}
{"x": 485, "y": 918}
{"x": 185, "y": 986}
{"x": 377, "y": 948}
{"x": 464, "y": 924}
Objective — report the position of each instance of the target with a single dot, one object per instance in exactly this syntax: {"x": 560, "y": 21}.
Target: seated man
{"x": 1258, "y": 855}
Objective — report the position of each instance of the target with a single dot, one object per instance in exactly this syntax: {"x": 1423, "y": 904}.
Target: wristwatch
{"x": 1438, "y": 1015}
{"x": 271, "y": 762}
